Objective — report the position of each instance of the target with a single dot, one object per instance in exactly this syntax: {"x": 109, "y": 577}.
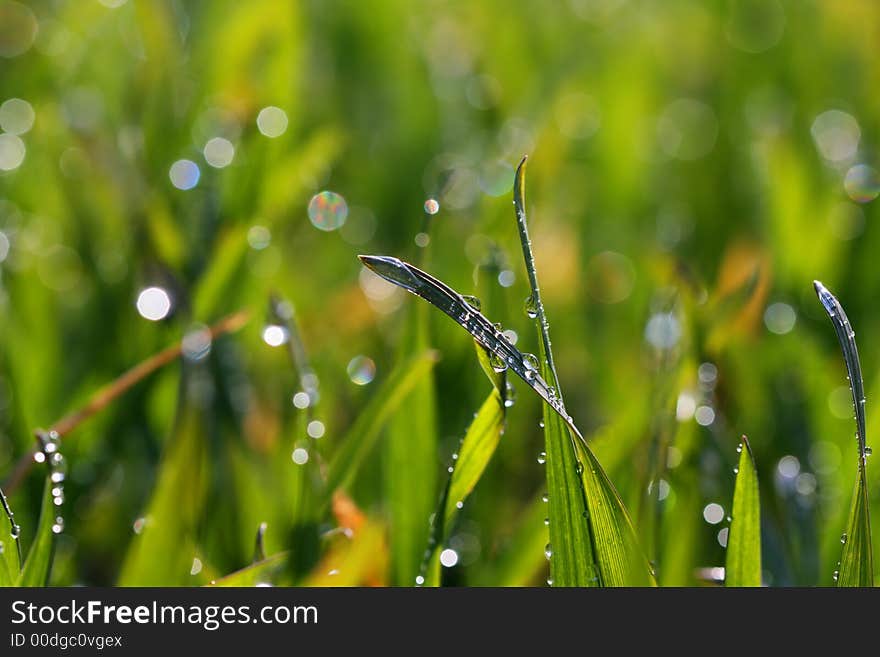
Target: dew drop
{"x": 472, "y": 301}
{"x": 459, "y": 505}
{"x": 420, "y": 580}
{"x": 547, "y": 521}
{"x": 530, "y": 361}
{"x": 530, "y": 375}
{"x": 531, "y": 307}
{"x": 549, "y": 581}
{"x": 545, "y": 498}
{"x": 542, "y": 458}
{"x": 540, "y": 424}
{"x": 868, "y": 450}
{"x": 432, "y": 206}
{"x": 497, "y": 362}
{"x": 835, "y": 575}
{"x": 548, "y": 551}
{"x": 843, "y": 538}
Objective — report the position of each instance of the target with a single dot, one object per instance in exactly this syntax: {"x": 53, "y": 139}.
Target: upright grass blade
{"x": 743, "y": 567}
{"x": 603, "y": 550}
{"x": 366, "y": 430}
{"x": 857, "y": 560}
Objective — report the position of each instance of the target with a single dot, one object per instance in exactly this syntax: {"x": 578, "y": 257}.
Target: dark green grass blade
{"x": 596, "y": 546}
{"x": 857, "y": 559}
{"x": 10, "y": 547}
{"x": 743, "y": 567}
{"x": 38, "y": 564}
{"x": 363, "y": 435}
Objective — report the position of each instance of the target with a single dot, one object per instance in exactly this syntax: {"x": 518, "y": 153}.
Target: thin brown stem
{"x": 106, "y": 395}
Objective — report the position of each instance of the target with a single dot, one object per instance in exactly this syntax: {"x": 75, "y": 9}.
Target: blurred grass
{"x": 673, "y": 154}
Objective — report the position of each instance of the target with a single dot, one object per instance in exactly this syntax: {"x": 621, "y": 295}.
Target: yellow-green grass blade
{"x": 265, "y": 571}
{"x": 38, "y": 564}
{"x": 474, "y": 454}
{"x": 362, "y": 436}
{"x": 743, "y": 565}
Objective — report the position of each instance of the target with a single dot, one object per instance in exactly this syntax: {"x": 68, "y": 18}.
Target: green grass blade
{"x": 363, "y": 435}
{"x": 743, "y": 566}
{"x": 857, "y": 559}
{"x": 474, "y": 454}
{"x": 601, "y": 549}
{"x": 38, "y": 564}
{"x": 410, "y": 457}
{"x": 10, "y": 547}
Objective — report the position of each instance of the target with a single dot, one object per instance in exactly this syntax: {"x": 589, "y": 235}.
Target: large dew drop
{"x": 531, "y": 307}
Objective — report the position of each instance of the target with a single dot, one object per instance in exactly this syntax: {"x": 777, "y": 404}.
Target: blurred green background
{"x": 693, "y": 167}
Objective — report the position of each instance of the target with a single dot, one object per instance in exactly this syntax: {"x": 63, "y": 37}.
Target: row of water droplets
{"x": 49, "y": 453}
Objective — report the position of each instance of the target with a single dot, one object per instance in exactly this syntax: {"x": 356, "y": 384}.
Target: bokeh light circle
{"x": 327, "y": 211}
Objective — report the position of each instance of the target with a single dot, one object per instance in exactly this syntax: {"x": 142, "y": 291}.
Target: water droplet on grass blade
{"x": 548, "y": 551}
{"x": 432, "y": 206}
{"x": 531, "y": 307}
{"x": 497, "y": 362}
{"x": 843, "y": 538}
{"x": 472, "y": 301}
{"x": 542, "y": 458}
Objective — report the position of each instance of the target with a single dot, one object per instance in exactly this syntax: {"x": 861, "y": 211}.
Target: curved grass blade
{"x": 438, "y": 294}
{"x": 857, "y": 560}
{"x": 366, "y": 430}
{"x": 743, "y": 567}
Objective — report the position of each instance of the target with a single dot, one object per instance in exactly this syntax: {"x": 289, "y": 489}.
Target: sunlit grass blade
{"x": 857, "y": 560}
{"x": 474, "y": 453}
{"x": 38, "y": 564}
{"x": 266, "y": 571}
{"x": 363, "y": 435}
{"x": 601, "y": 549}
{"x": 743, "y": 566}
